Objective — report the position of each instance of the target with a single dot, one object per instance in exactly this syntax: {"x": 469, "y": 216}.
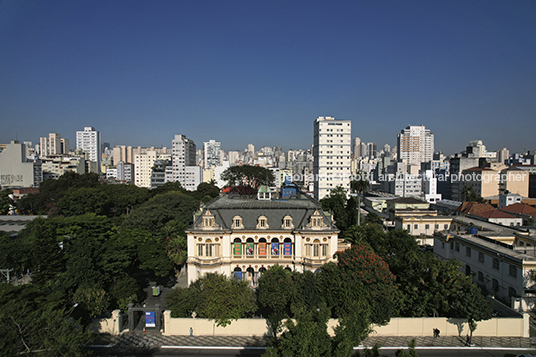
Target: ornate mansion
{"x": 242, "y": 236}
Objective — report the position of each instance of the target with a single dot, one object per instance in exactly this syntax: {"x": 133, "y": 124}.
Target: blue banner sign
{"x": 150, "y": 320}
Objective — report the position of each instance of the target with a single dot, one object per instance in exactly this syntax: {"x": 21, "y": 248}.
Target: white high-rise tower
{"x": 331, "y": 151}
{"x": 89, "y": 141}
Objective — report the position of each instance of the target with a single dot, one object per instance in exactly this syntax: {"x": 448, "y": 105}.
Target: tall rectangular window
{"x": 512, "y": 271}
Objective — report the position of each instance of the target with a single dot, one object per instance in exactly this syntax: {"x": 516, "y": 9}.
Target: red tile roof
{"x": 495, "y": 213}
{"x": 520, "y": 208}
{"x": 474, "y": 207}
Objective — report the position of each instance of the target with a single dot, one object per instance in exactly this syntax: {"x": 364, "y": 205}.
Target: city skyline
{"x": 262, "y": 73}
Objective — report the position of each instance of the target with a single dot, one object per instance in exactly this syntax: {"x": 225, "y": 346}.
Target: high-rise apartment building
{"x": 415, "y": 145}
{"x": 233, "y": 156}
{"x": 89, "y": 141}
{"x": 212, "y": 154}
{"x": 371, "y": 150}
{"x": 122, "y": 153}
{"x": 331, "y": 150}
{"x": 503, "y": 155}
{"x": 54, "y": 144}
{"x": 357, "y": 148}
{"x": 251, "y": 149}
{"x": 183, "y": 153}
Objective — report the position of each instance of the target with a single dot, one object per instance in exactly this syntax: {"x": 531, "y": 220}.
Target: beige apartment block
{"x": 484, "y": 181}
{"x": 143, "y": 164}
{"x": 515, "y": 180}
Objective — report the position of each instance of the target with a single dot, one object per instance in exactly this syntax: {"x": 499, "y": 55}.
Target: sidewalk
{"x": 157, "y": 340}
{"x": 450, "y": 341}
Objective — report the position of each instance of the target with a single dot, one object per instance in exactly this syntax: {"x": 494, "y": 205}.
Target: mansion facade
{"x": 243, "y": 236}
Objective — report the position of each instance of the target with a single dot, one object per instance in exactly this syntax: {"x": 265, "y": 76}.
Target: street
{"x": 215, "y": 352}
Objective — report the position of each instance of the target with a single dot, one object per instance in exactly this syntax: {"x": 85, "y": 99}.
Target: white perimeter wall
{"x": 499, "y": 327}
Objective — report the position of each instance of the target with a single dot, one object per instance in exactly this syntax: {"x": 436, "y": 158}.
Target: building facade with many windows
{"x": 212, "y": 154}
{"x": 331, "y": 150}
{"x": 503, "y": 270}
{"x": 242, "y": 236}
{"x": 183, "y": 153}
{"x": 89, "y": 141}
{"x": 415, "y": 145}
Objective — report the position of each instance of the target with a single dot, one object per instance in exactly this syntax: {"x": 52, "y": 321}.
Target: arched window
{"x": 274, "y": 247}
{"x": 287, "y": 247}
{"x": 208, "y": 248}
{"x": 316, "y": 248}
{"x": 237, "y": 273}
{"x": 237, "y": 247}
{"x": 250, "y": 247}
{"x": 495, "y": 285}
{"x": 262, "y": 247}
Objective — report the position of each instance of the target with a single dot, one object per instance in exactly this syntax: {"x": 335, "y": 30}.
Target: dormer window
{"x": 262, "y": 223}
{"x": 208, "y": 220}
{"x": 237, "y": 222}
{"x": 316, "y": 221}
{"x": 287, "y": 222}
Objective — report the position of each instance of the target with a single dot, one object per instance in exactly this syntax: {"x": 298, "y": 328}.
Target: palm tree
{"x": 359, "y": 186}
{"x": 469, "y": 195}
{"x": 355, "y": 234}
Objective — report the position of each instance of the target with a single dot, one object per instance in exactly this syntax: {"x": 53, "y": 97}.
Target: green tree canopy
{"x": 206, "y": 191}
{"x": 215, "y": 297}
{"x": 247, "y": 175}
{"x": 307, "y": 337}
{"x": 365, "y": 274}
{"x": 52, "y": 190}
{"x": 276, "y": 289}
{"x": 34, "y": 322}
{"x": 336, "y": 204}
{"x": 78, "y": 201}
{"x": 155, "y": 213}
{"x": 5, "y": 201}
{"x": 168, "y": 187}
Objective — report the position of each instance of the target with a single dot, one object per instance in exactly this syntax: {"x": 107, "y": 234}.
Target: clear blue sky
{"x": 260, "y": 71}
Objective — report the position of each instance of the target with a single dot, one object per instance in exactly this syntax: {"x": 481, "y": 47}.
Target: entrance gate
{"x": 134, "y": 316}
